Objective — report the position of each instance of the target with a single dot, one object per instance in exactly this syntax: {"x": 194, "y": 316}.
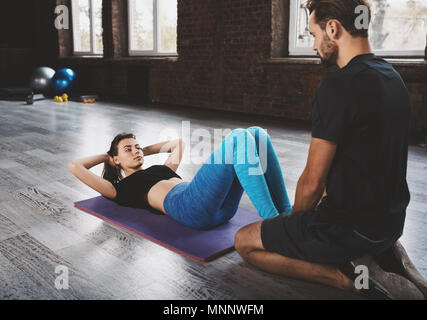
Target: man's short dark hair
{"x": 341, "y": 10}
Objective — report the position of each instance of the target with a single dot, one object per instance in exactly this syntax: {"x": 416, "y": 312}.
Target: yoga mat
{"x": 202, "y": 245}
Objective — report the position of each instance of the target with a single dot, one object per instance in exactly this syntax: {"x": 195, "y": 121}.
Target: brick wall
{"x": 224, "y": 62}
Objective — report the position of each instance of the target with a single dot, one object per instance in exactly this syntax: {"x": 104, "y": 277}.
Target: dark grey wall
{"x": 28, "y": 39}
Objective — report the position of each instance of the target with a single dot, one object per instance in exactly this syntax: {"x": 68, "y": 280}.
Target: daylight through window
{"x": 87, "y": 27}
{"x": 152, "y": 27}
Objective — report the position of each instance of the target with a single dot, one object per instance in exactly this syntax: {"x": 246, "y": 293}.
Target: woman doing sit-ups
{"x": 213, "y": 195}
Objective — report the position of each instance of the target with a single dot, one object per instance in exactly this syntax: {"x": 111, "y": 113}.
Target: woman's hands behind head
{"x": 110, "y": 161}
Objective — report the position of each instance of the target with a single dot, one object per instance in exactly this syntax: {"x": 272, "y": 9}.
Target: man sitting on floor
{"x": 357, "y": 159}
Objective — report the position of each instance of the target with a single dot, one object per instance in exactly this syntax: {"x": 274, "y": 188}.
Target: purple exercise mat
{"x": 203, "y": 245}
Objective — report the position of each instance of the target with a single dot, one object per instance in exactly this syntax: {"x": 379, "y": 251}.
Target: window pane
{"x": 142, "y": 35}
{"x": 167, "y": 24}
{"x": 81, "y": 25}
{"x": 97, "y": 13}
{"x": 304, "y": 39}
{"x": 398, "y": 24}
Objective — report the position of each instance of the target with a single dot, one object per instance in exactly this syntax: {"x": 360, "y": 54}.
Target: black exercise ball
{"x": 40, "y": 81}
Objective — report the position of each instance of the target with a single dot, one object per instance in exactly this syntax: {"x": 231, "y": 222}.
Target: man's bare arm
{"x": 311, "y": 184}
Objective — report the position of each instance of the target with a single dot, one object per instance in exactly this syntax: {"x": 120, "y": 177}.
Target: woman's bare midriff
{"x": 159, "y": 191}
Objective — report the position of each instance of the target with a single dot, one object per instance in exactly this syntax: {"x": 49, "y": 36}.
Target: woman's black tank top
{"x": 132, "y": 190}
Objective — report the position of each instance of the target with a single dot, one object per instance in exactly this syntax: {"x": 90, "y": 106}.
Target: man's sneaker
{"x": 399, "y": 287}
{"x": 396, "y": 260}
{"x": 374, "y": 291}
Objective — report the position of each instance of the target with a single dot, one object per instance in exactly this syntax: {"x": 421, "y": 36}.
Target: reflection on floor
{"x": 40, "y": 229}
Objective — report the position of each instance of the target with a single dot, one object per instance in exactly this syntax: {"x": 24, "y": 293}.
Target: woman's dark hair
{"x": 341, "y": 10}
{"x": 110, "y": 173}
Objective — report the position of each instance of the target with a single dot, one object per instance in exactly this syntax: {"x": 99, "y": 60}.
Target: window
{"x": 397, "y": 28}
{"x": 87, "y": 27}
{"x": 152, "y": 27}
{"x": 300, "y": 39}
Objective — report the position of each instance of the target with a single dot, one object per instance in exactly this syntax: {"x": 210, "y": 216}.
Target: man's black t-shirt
{"x": 365, "y": 109}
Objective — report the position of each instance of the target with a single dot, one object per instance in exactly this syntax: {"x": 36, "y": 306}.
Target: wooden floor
{"x": 41, "y": 229}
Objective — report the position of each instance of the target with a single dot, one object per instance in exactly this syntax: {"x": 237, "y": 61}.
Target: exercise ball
{"x": 64, "y": 81}
{"x": 40, "y": 81}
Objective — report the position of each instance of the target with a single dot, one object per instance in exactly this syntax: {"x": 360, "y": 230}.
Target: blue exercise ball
{"x": 41, "y": 79}
{"x": 64, "y": 81}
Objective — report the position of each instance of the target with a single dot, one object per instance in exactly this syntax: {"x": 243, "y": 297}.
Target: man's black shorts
{"x": 301, "y": 236}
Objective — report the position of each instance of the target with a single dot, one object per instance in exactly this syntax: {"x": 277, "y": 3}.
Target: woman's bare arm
{"x": 92, "y": 161}
{"x": 174, "y": 147}
{"x": 80, "y": 168}
{"x": 161, "y": 147}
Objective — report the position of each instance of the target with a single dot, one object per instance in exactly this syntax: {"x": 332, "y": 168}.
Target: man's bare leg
{"x": 249, "y": 245}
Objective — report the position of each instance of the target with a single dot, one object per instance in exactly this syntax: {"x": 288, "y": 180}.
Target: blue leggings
{"x": 237, "y": 165}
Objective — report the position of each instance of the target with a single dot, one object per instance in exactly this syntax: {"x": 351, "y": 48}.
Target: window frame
{"x": 74, "y": 11}
{"x": 295, "y": 51}
{"x": 156, "y": 33}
